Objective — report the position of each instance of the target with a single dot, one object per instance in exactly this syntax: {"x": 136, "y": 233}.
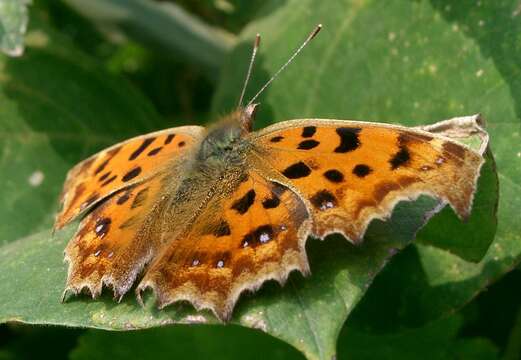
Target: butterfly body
{"x": 205, "y": 215}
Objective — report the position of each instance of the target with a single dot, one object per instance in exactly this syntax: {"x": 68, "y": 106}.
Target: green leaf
{"x": 194, "y": 342}
{"x": 438, "y": 340}
{"x": 13, "y": 24}
{"x": 56, "y": 108}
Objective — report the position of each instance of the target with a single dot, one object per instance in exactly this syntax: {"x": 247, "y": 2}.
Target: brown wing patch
{"x": 119, "y": 166}
{"x": 114, "y": 240}
{"x": 358, "y": 171}
{"x": 255, "y": 234}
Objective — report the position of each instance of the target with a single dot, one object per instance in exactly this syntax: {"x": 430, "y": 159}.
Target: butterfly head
{"x": 226, "y": 139}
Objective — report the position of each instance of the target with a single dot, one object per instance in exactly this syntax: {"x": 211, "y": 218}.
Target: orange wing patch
{"x": 120, "y": 166}
{"x": 351, "y": 172}
{"x": 115, "y": 240}
{"x": 242, "y": 239}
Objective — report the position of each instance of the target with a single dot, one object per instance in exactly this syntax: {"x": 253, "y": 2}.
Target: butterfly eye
{"x": 247, "y": 116}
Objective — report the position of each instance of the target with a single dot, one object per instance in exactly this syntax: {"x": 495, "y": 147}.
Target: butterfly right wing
{"x": 352, "y": 172}
{"x": 122, "y": 165}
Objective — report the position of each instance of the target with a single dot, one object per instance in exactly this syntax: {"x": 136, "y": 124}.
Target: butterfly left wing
{"x": 352, "y": 172}
{"x": 117, "y": 239}
{"x": 120, "y": 166}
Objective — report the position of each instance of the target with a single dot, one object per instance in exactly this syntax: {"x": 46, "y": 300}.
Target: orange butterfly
{"x": 205, "y": 214}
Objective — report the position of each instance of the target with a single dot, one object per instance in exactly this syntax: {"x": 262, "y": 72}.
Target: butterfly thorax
{"x": 227, "y": 141}
{"x": 216, "y": 171}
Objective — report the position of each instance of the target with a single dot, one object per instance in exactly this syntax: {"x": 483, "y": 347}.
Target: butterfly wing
{"x": 116, "y": 239}
{"x": 244, "y": 237}
{"x": 352, "y": 172}
{"x": 120, "y": 166}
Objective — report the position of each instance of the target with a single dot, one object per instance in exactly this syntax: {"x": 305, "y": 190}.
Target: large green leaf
{"x": 13, "y": 24}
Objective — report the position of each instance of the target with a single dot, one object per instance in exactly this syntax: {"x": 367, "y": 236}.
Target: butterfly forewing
{"x": 352, "y": 172}
{"x": 122, "y": 165}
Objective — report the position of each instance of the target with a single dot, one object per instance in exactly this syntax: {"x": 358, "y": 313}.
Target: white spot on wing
{"x": 264, "y": 237}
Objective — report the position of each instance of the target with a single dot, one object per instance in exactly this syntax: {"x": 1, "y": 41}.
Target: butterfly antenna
{"x": 256, "y": 45}
{"x": 308, "y": 39}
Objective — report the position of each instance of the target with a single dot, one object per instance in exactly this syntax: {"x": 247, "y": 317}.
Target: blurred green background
{"x": 99, "y": 71}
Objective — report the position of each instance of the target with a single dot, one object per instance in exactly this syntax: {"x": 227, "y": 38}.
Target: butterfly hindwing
{"x": 116, "y": 239}
{"x": 352, "y": 172}
{"x": 243, "y": 238}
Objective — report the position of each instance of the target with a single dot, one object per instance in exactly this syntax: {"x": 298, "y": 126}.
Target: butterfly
{"x": 205, "y": 214}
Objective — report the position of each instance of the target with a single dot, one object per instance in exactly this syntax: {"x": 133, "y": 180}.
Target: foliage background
{"x": 91, "y": 76}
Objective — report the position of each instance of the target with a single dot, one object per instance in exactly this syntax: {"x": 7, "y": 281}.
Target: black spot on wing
{"x": 141, "y": 148}
{"x": 243, "y": 204}
{"x": 155, "y": 151}
{"x": 124, "y": 198}
{"x": 308, "y": 144}
{"x": 169, "y": 139}
{"x": 324, "y": 200}
{"x": 132, "y": 174}
{"x": 401, "y": 158}
{"x": 259, "y": 236}
{"x": 101, "y": 167}
{"x": 104, "y": 176}
{"x": 109, "y": 180}
{"x": 334, "y": 176}
{"x": 102, "y": 226}
{"x": 271, "y": 202}
{"x": 349, "y": 140}
{"x": 276, "y": 139}
{"x": 110, "y": 154}
{"x": 362, "y": 170}
{"x": 222, "y": 229}
{"x": 308, "y": 131}
{"x": 297, "y": 170}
